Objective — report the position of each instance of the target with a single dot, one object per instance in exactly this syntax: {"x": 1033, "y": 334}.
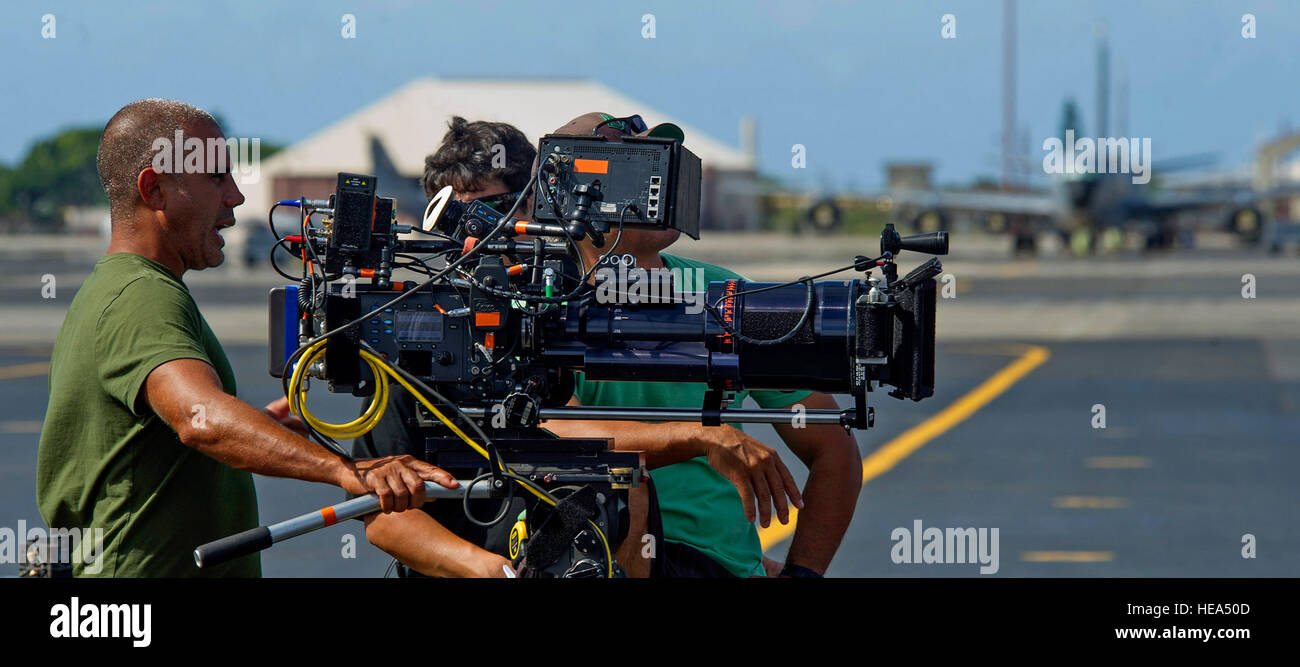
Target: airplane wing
{"x": 981, "y": 202}
{"x": 1171, "y": 201}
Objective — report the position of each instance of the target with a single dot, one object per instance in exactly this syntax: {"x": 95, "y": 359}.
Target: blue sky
{"x": 857, "y": 83}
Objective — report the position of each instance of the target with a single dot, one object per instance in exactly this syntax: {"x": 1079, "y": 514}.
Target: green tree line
{"x": 58, "y": 171}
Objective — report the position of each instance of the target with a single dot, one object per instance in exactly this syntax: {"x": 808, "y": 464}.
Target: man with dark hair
{"x": 490, "y": 162}
{"x": 479, "y": 160}
{"x": 144, "y": 437}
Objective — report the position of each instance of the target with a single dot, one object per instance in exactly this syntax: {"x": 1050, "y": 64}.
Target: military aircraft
{"x": 1082, "y": 208}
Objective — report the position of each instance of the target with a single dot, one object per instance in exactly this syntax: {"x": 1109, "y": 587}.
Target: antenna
{"x": 1103, "y": 80}
{"x": 1008, "y": 91}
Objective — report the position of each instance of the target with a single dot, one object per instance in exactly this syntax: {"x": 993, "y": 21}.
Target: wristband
{"x": 799, "y": 572}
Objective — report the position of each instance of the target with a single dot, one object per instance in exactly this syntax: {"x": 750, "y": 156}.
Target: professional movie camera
{"x": 489, "y": 342}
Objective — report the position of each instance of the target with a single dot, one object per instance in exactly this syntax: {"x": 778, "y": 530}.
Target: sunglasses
{"x": 501, "y": 203}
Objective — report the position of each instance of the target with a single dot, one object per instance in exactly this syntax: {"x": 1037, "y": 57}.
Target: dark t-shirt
{"x": 106, "y": 460}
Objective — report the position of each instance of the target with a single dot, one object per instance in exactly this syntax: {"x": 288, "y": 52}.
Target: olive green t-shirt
{"x": 106, "y": 461}
{"x": 700, "y": 507}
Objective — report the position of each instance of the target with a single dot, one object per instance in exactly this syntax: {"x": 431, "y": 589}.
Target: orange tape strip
{"x": 591, "y": 166}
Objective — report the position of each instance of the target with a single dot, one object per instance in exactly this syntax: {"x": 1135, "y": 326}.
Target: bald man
{"x": 143, "y": 437}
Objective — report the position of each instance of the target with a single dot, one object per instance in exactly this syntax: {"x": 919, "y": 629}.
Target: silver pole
{"x": 739, "y": 416}
{"x": 256, "y": 539}
{"x": 361, "y": 506}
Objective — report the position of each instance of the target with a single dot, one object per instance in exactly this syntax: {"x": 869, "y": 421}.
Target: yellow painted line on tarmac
{"x": 1067, "y": 556}
{"x": 25, "y": 370}
{"x": 1018, "y": 269}
{"x": 20, "y": 427}
{"x": 1090, "y": 502}
{"x": 888, "y": 456}
{"x": 1117, "y": 462}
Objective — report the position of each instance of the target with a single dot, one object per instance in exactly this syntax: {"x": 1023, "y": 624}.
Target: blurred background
{"x": 1118, "y": 369}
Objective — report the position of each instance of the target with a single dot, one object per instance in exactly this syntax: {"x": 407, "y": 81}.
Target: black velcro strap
{"x": 568, "y": 518}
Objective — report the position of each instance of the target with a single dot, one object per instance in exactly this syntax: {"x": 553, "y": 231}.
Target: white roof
{"x": 411, "y": 122}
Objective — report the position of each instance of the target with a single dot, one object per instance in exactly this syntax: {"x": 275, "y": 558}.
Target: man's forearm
{"x": 663, "y": 444}
{"x": 761, "y": 479}
{"x": 419, "y": 542}
{"x": 830, "y": 497}
{"x": 831, "y": 493}
{"x": 187, "y": 395}
{"x": 243, "y": 437}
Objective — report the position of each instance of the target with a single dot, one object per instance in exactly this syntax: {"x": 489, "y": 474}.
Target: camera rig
{"x": 487, "y": 345}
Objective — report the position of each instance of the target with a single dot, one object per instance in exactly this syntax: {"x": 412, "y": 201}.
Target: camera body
{"x": 479, "y": 350}
{"x": 463, "y": 335}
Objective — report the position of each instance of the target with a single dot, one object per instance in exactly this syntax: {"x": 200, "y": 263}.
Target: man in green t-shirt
{"x": 144, "y": 441}
{"x": 712, "y": 482}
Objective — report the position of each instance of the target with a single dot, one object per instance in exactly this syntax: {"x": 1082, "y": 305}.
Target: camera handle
{"x": 262, "y": 537}
{"x": 579, "y": 223}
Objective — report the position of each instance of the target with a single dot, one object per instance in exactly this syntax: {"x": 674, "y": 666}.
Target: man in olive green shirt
{"x": 153, "y": 496}
{"x": 143, "y": 437}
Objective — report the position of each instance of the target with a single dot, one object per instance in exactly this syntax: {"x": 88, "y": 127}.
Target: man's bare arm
{"x": 419, "y": 542}
{"x": 663, "y": 444}
{"x": 831, "y": 494}
{"x": 187, "y": 394}
{"x": 756, "y": 469}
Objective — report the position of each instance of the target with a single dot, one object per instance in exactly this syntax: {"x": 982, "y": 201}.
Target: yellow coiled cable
{"x": 382, "y": 370}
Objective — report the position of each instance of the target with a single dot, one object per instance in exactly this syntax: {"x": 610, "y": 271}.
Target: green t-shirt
{"x": 106, "y": 460}
{"x": 700, "y": 507}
